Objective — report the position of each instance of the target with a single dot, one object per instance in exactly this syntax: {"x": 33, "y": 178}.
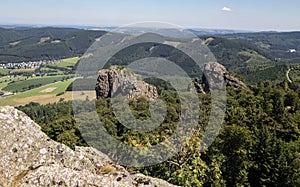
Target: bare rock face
{"x": 29, "y": 158}
{"x": 117, "y": 80}
{"x": 217, "y": 75}
{"x": 195, "y": 86}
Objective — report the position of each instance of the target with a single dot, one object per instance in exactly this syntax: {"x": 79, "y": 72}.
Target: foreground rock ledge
{"x": 29, "y": 158}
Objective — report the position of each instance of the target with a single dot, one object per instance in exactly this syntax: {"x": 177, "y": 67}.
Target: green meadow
{"x": 24, "y": 85}
{"x": 44, "y": 94}
{"x": 67, "y": 63}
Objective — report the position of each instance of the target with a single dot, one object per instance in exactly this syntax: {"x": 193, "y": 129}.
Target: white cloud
{"x": 227, "y": 9}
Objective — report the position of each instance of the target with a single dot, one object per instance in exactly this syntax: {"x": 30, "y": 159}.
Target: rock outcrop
{"x": 29, "y": 158}
{"x": 216, "y": 75}
{"x": 195, "y": 86}
{"x": 118, "y": 80}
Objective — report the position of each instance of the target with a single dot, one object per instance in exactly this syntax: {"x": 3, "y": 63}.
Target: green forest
{"x": 33, "y": 44}
{"x": 259, "y": 144}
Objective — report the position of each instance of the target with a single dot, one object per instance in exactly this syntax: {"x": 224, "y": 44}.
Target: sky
{"x": 260, "y": 15}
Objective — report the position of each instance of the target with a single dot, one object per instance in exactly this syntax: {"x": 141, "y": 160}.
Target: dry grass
{"x": 30, "y": 70}
{"x": 52, "y": 98}
{"x": 42, "y": 99}
{"x": 174, "y": 44}
{"x": 82, "y": 95}
{"x": 48, "y": 90}
{"x": 208, "y": 40}
{"x": 44, "y": 39}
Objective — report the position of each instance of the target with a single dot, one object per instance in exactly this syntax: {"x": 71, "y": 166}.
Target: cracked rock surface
{"x": 217, "y": 76}
{"x": 121, "y": 81}
{"x": 28, "y": 157}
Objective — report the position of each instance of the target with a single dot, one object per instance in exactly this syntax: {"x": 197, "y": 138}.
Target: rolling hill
{"x": 30, "y": 44}
{"x": 278, "y": 44}
{"x": 249, "y": 55}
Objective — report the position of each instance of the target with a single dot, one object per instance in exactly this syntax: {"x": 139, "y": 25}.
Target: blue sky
{"x": 225, "y": 14}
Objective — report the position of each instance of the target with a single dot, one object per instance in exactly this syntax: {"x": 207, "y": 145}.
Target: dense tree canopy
{"x": 259, "y": 144}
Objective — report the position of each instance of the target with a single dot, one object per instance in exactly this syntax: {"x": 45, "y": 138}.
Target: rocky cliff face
{"x": 29, "y": 158}
{"x": 116, "y": 80}
{"x": 216, "y": 76}
{"x": 216, "y": 72}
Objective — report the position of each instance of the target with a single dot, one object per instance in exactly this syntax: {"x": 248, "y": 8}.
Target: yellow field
{"x": 23, "y": 70}
{"x": 52, "y": 98}
{"x": 49, "y": 98}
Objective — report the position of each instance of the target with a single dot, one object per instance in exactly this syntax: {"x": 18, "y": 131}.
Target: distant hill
{"x": 254, "y": 56}
{"x": 215, "y": 32}
{"x": 28, "y": 44}
{"x": 243, "y": 55}
{"x": 280, "y": 44}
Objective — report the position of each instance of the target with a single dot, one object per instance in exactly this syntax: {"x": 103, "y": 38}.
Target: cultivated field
{"x": 68, "y": 63}
{"x": 51, "y": 70}
{"x": 20, "y": 86}
{"x": 31, "y": 70}
{"x": 4, "y": 81}
{"x": 46, "y": 94}
{"x": 4, "y": 71}
{"x": 50, "y": 93}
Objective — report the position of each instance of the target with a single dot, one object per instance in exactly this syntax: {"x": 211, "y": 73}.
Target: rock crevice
{"x": 118, "y": 80}
{"x": 217, "y": 76}
{"x": 28, "y": 157}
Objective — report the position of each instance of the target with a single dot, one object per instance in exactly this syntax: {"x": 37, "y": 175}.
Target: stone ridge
{"x": 217, "y": 75}
{"x": 28, "y": 157}
{"x": 117, "y": 80}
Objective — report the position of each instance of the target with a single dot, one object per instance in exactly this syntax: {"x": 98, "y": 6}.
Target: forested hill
{"x": 278, "y": 43}
{"x": 254, "y": 56}
{"x": 257, "y": 56}
{"x": 28, "y": 44}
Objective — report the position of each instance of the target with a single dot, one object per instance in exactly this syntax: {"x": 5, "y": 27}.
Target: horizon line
{"x": 41, "y": 25}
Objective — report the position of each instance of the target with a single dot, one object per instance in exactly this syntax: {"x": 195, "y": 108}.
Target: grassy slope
{"x": 38, "y": 94}
{"x": 67, "y": 63}
{"x": 31, "y": 70}
{"x": 20, "y": 86}
{"x": 51, "y": 70}
{"x": 256, "y": 61}
{"x": 5, "y": 80}
{"x": 4, "y": 71}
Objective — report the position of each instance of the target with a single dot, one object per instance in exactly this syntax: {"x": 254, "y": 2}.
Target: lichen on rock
{"x": 217, "y": 77}
{"x": 28, "y": 157}
{"x": 118, "y": 80}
